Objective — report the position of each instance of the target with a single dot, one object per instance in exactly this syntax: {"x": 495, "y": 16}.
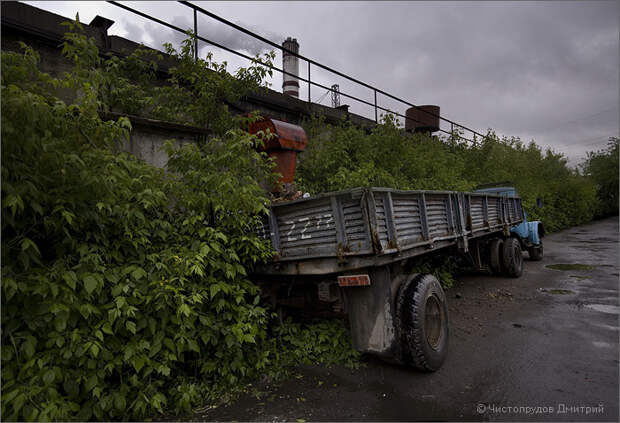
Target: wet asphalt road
{"x": 548, "y": 341}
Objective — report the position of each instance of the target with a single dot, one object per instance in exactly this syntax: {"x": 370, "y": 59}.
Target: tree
{"x": 602, "y": 167}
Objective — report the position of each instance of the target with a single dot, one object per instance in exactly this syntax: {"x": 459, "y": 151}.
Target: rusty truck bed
{"x": 361, "y": 227}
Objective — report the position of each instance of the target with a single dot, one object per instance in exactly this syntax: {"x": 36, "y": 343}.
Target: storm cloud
{"x": 155, "y": 35}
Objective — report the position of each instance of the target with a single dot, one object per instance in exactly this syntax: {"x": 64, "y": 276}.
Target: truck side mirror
{"x": 539, "y": 203}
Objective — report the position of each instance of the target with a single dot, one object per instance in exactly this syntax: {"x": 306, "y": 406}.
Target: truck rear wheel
{"x": 512, "y": 259}
{"x": 423, "y": 321}
{"x": 495, "y": 256}
{"x": 536, "y": 253}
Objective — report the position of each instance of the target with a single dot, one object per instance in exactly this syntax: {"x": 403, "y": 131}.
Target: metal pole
{"x": 195, "y": 35}
{"x": 376, "y": 116}
{"x": 309, "y": 82}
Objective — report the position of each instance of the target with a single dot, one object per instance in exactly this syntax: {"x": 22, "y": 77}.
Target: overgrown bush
{"x": 602, "y": 167}
{"x": 124, "y": 288}
{"x": 344, "y": 156}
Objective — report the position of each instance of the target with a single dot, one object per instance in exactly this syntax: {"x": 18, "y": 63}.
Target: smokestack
{"x": 290, "y": 64}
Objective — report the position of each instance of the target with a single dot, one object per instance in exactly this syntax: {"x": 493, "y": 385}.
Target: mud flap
{"x": 372, "y": 315}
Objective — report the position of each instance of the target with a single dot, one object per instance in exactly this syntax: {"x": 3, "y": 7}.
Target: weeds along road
{"x": 541, "y": 347}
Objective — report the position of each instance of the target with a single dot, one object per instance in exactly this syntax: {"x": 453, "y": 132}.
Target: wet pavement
{"x": 541, "y": 347}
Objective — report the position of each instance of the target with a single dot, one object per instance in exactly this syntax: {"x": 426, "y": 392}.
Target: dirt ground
{"x": 541, "y": 347}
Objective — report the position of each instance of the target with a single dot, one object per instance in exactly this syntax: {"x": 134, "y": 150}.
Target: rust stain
{"x": 340, "y": 250}
{"x": 376, "y": 241}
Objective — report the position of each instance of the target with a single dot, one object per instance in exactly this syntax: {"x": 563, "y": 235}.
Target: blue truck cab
{"x": 528, "y": 233}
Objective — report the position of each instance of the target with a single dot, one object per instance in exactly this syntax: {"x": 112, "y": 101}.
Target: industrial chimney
{"x": 290, "y": 64}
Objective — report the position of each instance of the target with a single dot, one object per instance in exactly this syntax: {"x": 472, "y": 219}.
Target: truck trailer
{"x": 348, "y": 254}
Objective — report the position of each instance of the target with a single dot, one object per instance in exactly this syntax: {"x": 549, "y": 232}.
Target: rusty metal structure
{"x": 422, "y": 119}
{"x": 282, "y": 141}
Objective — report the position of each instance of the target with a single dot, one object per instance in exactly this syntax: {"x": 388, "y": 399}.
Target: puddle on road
{"x": 604, "y": 308}
{"x": 557, "y": 291}
{"x": 580, "y": 277}
{"x": 567, "y": 267}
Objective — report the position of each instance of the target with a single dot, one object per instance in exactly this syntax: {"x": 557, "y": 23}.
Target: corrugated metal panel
{"x": 406, "y": 209}
{"x": 307, "y": 228}
{"x": 493, "y": 211}
{"x": 382, "y": 231}
{"x": 436, "y": 215}
{"x": 340, "y": 224}
{"x": 356, "y": 227}
{"x": 477, "y": 212}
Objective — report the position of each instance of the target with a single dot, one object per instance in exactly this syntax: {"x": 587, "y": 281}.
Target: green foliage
{"x": 321, "y": 342}
{"x": 196, "y": 93}
{"x": 602, "y": 167}
{"x": 443, "y": 267}
{"x": 124, "y": 287}
{"x": 345, "y": 156}
{"x": 342, "y": 156}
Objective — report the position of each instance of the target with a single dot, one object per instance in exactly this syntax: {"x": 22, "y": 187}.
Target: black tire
{"x": 423, "y": 323}
{"x": 495, "y": 256}
{"x": 512, "y": 259}
{"x": 536, "y": 253}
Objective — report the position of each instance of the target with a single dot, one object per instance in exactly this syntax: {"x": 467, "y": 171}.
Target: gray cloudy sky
{"x": 546, "y": 71}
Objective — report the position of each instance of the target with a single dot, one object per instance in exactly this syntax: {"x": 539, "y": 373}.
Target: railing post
{"x": 309, "y": 85}
{"x": 195, "y": 36}
{"x": 376, "y": 115}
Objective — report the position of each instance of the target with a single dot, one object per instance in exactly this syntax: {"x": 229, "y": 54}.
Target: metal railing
{"x": 197, "y": 9}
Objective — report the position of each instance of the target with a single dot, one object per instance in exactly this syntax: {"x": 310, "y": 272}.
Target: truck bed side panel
{"x": 376, "y": 222}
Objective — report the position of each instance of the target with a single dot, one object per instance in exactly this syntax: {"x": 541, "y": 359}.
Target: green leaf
{"x": 214, "y": 289}
{"x": 184, "y": 310}
{"x": 138, "y": 273}
{"x": 193, "y": 345}
{"x": 90, "y": 283}
{"x": 94, "y": 349}
{"x": 170, "y": 345}
{"x": 60, "y": 321}
{"x": 19, "y": 401}
{"x": 6, "y": 398}
{"x": 131, "y": 326}
{"x": 70, "y": 278}
{"x": 119, "y": 402}
{"x": 107, "y": 328}
{"x": 49, "y": 376}
{"x": 28, "y": 244}
{"x": 90, "y": 383}
{"x": 68, "y": 216}
{"x": 28, "y": 346}
{"x": 138, "y": 363}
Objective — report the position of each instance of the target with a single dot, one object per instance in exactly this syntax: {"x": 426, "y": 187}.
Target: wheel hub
{"x": 433, "y": 322}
